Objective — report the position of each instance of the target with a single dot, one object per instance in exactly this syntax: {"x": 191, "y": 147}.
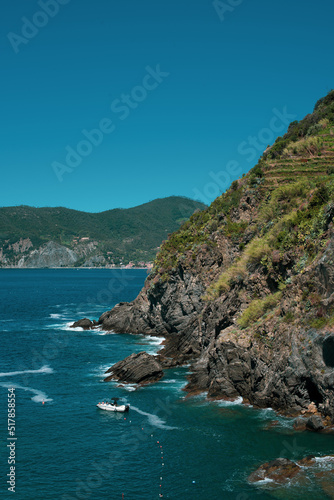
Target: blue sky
{"x": 181, "y": 96}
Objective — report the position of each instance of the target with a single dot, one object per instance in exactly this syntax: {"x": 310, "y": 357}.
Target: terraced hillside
{"x": 287, "y": 168}
{"x": 245, "y": 289}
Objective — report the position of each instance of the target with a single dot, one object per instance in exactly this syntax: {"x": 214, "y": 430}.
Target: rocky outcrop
{"x": 282, "y": 376}
{"x": 85, "y": 324}
{"x": 141, "y": 368}
{"x": 288, "y": 374}
{"x": 280, "y": 470}
{"x": 314, "y": 423}
{"x": 281, "y": 367}
{"x": 168, "y": 309}
{"x": 283, "y": 472}
{"x": 244, "y": 291}
{"x": 50, "y": 255}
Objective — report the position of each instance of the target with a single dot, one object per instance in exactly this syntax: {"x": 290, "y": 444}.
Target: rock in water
{"x": 141, "y": 368}
{"x": 314, "y": 423}
{"x": 279, "y": 470}
{"x": 307, "y": 461}
{"x": 85, "y": 324}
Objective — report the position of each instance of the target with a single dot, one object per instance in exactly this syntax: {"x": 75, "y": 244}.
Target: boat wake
{"x": 154, "y": 420}
{"x": 39, "y": 397}
{"x": 44, "y": 369}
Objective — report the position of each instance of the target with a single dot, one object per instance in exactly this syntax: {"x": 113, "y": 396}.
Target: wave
{"x": 100, "y": 371}
{"x": 154, "y": 420}
{"x": 155, "y": 340}
{"x": 129, "y": 387}
{"x": 266, "y": 480}
{"x": 39, "y": 397}
{"x": 68, "y": 328}
{"x": 238, "y": 401}
{"x": 153, "y": 344}
{"x": 325, "y": 462}
{"x": 55, "y": 316}
{"x": 44, "y": 369}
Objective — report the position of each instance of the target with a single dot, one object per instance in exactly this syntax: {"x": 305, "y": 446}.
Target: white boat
{"x": 105, "y": 405}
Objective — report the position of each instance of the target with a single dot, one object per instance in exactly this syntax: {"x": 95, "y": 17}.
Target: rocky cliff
{"x": 245, "y": 289}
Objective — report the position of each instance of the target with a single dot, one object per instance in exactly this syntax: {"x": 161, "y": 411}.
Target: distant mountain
{"x": 61, "y": 237}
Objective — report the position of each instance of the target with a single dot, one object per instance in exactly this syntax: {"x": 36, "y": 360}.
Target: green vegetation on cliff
{"x": 274, "y": 222}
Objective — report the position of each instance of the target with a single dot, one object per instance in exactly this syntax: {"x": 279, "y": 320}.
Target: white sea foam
{"x": 44, "y": 369}
{"x": 266, "y": 480}
{"x": 153, "y": 343}
{"x": 324, "y": 459}
{"x": 238, "y": 401}
{"x": 103, "y": 368}
{"x": 266, "y": 413}
{"x": 103, "y": 332}
{"x": 325, "y": 462}
{"x": 129, "y": 387}
{"x": 154, "y": 420}
{"x": 155, "y": 340}
{"x": 68, "y": 328}
{"x": 55, "y": 316}
{"x": 39, "y": 397}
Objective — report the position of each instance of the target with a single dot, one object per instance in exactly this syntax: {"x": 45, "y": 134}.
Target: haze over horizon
{"x": 112, "y": 105}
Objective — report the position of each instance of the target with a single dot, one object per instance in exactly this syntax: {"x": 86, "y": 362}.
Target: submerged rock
{"x": 279, "y": 470}
{"x": 299, "y": 424}
{"x": 141, "y": 368}
{"x": 307, "y": 461}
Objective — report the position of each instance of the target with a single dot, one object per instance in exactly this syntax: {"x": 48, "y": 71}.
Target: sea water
{"x": 167, "y": 446}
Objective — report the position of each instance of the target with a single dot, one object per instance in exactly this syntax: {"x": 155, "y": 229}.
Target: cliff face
{"x": 245, "y": 289}
{"x": 51, "y": 254}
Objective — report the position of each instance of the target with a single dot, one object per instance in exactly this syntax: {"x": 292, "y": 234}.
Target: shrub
{"x": 308, "y": 146}
{"x": 234, "y": 185}
{"x": 256, "y": 250}
{"x": 277, "y": 149}
{"x": 325, "y": 101}
{"x": 236, "y": 272}
{"x": 258, "y": 308}
{"x": 257, "y": 171}
{"x": 289, "y": 317}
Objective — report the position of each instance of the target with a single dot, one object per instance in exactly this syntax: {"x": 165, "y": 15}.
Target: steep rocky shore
{"x": 245, "y": 289}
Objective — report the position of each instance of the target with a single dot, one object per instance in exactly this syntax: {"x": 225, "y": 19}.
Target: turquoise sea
{"x": 167, "y": 446}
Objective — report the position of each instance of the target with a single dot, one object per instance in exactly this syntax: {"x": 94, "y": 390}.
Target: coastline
{"x": 123, "y": 268}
